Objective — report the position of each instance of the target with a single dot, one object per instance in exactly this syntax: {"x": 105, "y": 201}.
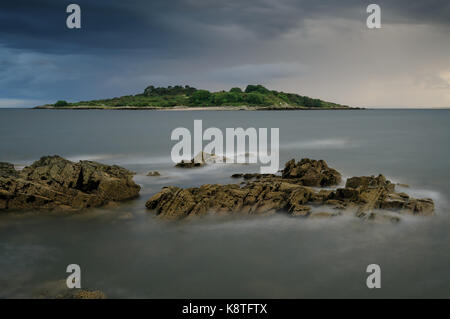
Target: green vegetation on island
{"x": 162, "y": 97}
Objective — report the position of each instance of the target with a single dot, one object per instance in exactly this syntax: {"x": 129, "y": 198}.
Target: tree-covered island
{"x": 253, "y": 97}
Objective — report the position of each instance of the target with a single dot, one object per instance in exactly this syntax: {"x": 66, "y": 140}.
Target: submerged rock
{"x": 58, "y": 290}
{"x": 251, "y": 175}
{"x": 323, "y": 215}
{"x": 202, "y": 159}
{"x": 153, "y": 173}
{"x": 89, "y": 294}
{"x": 291, "y": 194}
{"x": 189, "y": 164}
{"x": 56, "y": 183}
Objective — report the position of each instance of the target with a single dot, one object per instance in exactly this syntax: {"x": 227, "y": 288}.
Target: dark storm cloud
{"x": 162, "y": 25}
{"x": 125, "y": 45}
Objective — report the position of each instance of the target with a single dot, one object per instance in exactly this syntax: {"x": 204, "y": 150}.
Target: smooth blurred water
{"x": 127, "y": 252}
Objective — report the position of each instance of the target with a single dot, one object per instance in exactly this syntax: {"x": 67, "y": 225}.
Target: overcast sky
{"x": 322, "y": 49}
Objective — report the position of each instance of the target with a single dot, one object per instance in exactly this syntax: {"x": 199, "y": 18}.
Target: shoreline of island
{"x": 194, "y": 108}
{"x": 187, "y": 98}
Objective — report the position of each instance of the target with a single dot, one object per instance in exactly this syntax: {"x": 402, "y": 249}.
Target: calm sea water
{"x": 127, "y": 252}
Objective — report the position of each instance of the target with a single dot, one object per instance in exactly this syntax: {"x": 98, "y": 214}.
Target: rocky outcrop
{"x": 367, "y": 182}
{"x": 292, "y": 193}
{"x": 189, "y": 164}
{"x": 305, "y": 172}
{"x": 202, "y": 159}
{"x": 56, "y": 183}
{"x": 254, "y": 198}
{"x": 153, "y": 173}
{"x": 312, "y": 172}
{"x": 369, "y": 193}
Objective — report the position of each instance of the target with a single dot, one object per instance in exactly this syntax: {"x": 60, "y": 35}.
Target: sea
{"x": 127, "y": 252}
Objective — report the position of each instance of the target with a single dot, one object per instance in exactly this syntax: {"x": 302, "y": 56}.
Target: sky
{"x": 322, "y": 49}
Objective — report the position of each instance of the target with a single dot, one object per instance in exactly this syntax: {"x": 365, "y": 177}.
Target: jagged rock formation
{"x": 292, "y": 193}
{"x": 311, "y": 172}
{"x": 56, "y": 183}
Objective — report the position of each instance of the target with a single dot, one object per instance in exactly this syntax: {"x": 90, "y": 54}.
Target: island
{"x": 254, "y": 97}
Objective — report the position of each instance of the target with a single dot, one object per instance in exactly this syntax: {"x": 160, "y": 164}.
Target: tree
{"x": 219, "y": 98}
{"x": 61, "y": 103}
{"x": 256, "y": 88}
{"x": 255, "y": 98}
{"x": 236, "y": 90}
{"x": 200, "y": 97}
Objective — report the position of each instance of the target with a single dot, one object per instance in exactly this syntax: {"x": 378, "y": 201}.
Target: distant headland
{"x": 254, "y": 97}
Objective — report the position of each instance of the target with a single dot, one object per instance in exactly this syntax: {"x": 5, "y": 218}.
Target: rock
{"x": 289, "y": 194}
{"x": 89, "y": 294}
{"x": 306, "y": 172}
{"x": 154, "y": 173}
{"x": 366, "y": 182}
{"x": 423, "y": 207}
{"x": 207, "y": 158}
{"x": 345, "y": 194}
{"x": 337, "y": 204}
{"x": 173, "y": 202}
{"x": 56, "y": 183}
{"x": 188, "y": 164}
{"x": 300, "y": 210}
{"x": 111, "y": 204}
{"x": 252, "y": 175}
{"x": 396, "y": 202}
{"x": 323, "y": 215}
{"x": 297, "y": 199}
{"x": 253, "y": 198}
{"x": 8, "y": 170}
{"x": 370, "y": 193}
{"x": 312, "y": 172}
{"x": 58, "y": 290}
{"x": 380, "y": 217}
{"x": 403, "y": 195}
{"x": 202, "y": 159}
{"x": 126, "y": 216}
